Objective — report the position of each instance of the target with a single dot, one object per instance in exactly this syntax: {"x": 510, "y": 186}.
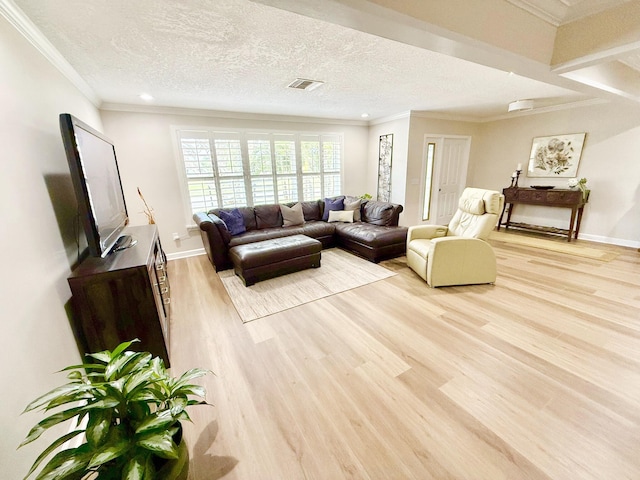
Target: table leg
{"x": 571, "y": 223}
{"x": 509, "y": 216}
{"x": 580, "y": 210}
{"x": 504, "y": 207}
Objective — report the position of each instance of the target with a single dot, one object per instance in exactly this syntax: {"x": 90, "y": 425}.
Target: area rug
{"x": 340, "y": 271}
{"x": 554, "y": 246}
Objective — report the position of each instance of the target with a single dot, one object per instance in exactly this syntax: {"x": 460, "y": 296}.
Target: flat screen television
{"x": 96, "y": 181}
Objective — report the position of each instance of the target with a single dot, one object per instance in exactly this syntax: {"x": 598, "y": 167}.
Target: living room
{"x": 43, "y": 250}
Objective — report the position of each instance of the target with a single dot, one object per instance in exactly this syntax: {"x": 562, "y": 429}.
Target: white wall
{"x": 38, "y": 246}
{"x": 610, "y": 162}
{"x": 147, "y": 159}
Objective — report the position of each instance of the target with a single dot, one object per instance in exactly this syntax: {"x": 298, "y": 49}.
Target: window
{"x": 428, "y": 181}
{"x": 234, "y": 169}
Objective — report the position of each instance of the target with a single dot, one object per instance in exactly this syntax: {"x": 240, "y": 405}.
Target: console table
{"x": 124, "y": 296}
{"x": 556, "y": 197}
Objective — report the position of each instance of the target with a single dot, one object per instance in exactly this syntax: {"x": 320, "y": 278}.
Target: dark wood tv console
{"x": 124, "y": 296}
{"x": 562, "y": 198}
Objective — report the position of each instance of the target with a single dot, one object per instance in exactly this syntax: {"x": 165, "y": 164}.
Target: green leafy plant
{"x": 582, "y": 185}
{"x": 366, "y": 196}
{"x": 132, "y": 409}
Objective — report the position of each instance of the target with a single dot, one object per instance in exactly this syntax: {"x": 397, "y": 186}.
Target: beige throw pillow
{"x": 292, "y": 215}
{"x": 353, "y": 203}
{"x": 341, "y": 216}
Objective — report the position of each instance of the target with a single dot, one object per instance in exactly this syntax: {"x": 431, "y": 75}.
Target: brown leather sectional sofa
{"x": 376, "y": 237}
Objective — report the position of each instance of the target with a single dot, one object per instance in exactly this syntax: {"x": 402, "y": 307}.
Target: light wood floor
{"x": 536, "y": 377}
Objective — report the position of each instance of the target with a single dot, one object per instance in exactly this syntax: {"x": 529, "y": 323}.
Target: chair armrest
{"x": 426, "y": 231}
{"x": 215, "y": 239}
{"x": 460, "y": 261}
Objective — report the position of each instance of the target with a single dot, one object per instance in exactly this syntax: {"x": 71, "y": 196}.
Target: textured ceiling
{"x": 236, "y": 55}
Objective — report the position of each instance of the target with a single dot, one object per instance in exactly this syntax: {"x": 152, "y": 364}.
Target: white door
{"x": 450, "y": 173}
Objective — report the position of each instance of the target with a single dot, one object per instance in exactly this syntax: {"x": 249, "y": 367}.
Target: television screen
{"x": 96, "y": 180}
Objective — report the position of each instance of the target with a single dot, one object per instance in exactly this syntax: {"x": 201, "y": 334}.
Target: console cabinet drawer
{"x": 542, "y": 197}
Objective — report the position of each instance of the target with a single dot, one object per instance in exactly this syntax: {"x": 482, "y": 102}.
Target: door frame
{"x": 439, "y": 140}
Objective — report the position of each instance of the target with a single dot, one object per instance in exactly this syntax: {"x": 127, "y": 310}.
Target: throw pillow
{"x": 332, "y": 204}
{"x": 341, "y": 216}
{"x": 353, "y": 203}
{"x": 292, "y": 215}
{"x": 234, "y": 221}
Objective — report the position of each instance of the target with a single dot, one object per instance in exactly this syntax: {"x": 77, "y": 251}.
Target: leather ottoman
{"x": 254, "y": 262}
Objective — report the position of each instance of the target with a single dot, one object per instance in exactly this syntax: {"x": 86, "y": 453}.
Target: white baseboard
{"x": 612, "y": 241}
{"x": 188, "y": 253}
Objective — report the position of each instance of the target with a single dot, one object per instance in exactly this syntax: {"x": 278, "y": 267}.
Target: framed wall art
{"x": 384, "y": 167}
{"x": 556, "y": 156}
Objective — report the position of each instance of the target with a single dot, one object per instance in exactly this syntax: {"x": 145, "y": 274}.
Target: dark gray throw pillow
{"x": 332, "y": 204}
{"x": 234, "y": 221}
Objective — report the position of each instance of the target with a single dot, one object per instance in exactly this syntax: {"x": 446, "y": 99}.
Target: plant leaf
{"x": 65, "y": 463}
{"x": 50, "y": 422}
{"x": 104, "y": 356}
{"x": 56, "y": 392}
{"x": 106, "y": 402}
{"x": 59, "y": 417}
{"x": 98, "y": 427}
{"x": 109, "y": 451}
{"x": 191, "y": 390}
{"x": 122, "y": 347}
{"x": 135, "y": 380}
{"x": 189, "y": 375}
{"x": 138, "y": 411}
{"x": 183, "y": 417}
{"x": 85, "y": 366}
{"x": 160, "y": 444}
{"x": 138, "y": 468}
{"x": 70, "y": 398}
{"x": 153, "y": 422}
{"x": 136, "y": 362}
{"x": 51, "y": 448}
{"x": 114, "y": 365}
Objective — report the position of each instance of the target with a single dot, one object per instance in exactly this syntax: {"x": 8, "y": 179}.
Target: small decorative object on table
{"x": 516, "y": 175}
{"x": 134, "y": 409}
{"x": 580, "y": 184}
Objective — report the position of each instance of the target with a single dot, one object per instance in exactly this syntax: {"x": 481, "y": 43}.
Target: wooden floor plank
{"x": 535, "y": 377}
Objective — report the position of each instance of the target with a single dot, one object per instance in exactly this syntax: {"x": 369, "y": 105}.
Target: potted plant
{"x": 129, "y": 409}
{"x": 582, "y": 185}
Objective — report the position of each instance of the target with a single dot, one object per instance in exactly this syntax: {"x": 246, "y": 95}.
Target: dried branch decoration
{"x": 147, "y": 210}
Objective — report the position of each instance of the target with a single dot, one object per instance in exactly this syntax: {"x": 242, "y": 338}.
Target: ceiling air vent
{"x": 305, "y": 84}
{"x": 520, "y": 106}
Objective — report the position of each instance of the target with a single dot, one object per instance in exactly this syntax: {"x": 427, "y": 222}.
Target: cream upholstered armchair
{"x": 457, "y": 254}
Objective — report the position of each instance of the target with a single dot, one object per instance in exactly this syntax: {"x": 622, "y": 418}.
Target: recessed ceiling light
{"x": 365, "y": 115}
{"x": 146, "y": 97}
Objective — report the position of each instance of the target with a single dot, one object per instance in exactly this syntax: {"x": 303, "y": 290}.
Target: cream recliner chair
{"x": 457, "y": 254}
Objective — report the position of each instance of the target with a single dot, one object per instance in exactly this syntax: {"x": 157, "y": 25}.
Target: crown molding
{"x": 538, "y": 12}
{"x": 16, "y": 17}
{"x": 196, "y": 112}
{"x": 389, "y": 118}
{"x": 447, "y": 116}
